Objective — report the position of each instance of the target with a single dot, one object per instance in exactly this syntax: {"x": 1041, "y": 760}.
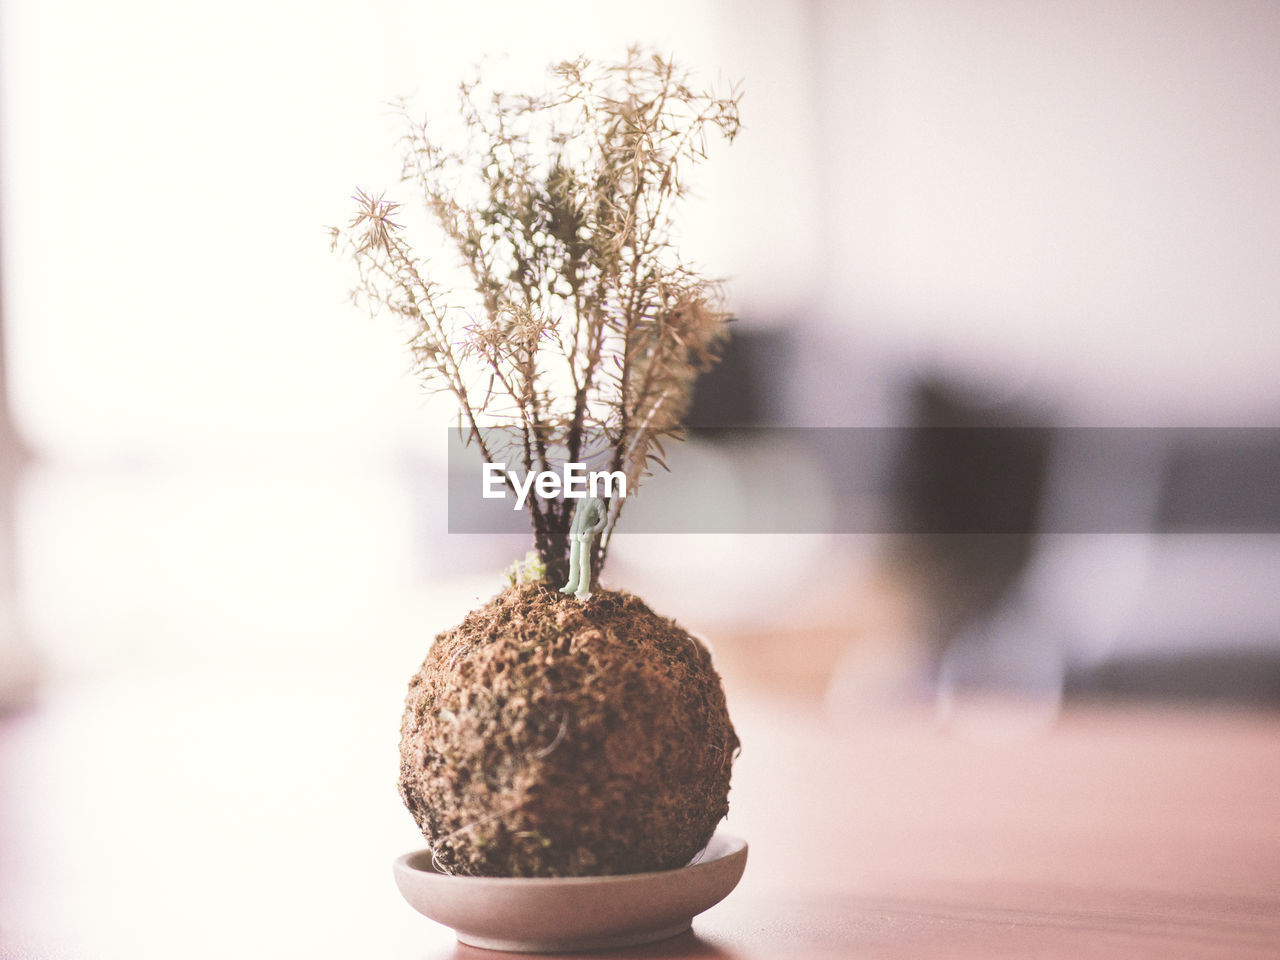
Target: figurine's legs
{"x": 572, "y": 585}
{"x": 584, "y": 568}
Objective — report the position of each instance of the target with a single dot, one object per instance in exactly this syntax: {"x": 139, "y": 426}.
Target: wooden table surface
{"x": 221, "y": 812}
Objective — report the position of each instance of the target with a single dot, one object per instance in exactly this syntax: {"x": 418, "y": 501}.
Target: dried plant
{"x": 583, "y": 330}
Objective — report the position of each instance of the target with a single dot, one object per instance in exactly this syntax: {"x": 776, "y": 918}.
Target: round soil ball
{"x": 548, "y": 737}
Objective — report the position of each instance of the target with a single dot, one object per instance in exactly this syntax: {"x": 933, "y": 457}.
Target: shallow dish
{"x": 554, "y": 914}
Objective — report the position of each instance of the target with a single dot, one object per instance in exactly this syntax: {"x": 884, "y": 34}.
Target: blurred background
{"x": 220, "y": 481}
{"x": 965, "y": 214}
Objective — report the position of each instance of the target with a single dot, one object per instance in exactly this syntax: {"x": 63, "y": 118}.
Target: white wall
{"x": 168, "y": 172}
{"x": 1074, "y": 199}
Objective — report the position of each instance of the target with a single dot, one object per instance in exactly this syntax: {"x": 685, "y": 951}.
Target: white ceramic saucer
{"x": 551, "y": 915}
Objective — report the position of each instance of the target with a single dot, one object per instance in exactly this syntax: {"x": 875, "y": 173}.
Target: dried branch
{"x": 583, "y": 328}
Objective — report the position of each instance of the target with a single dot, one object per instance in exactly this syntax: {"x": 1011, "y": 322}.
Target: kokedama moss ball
{"x": 545, "y": 736}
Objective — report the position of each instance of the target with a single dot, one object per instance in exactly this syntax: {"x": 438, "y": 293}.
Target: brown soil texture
{"x": 545, "y": 736}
